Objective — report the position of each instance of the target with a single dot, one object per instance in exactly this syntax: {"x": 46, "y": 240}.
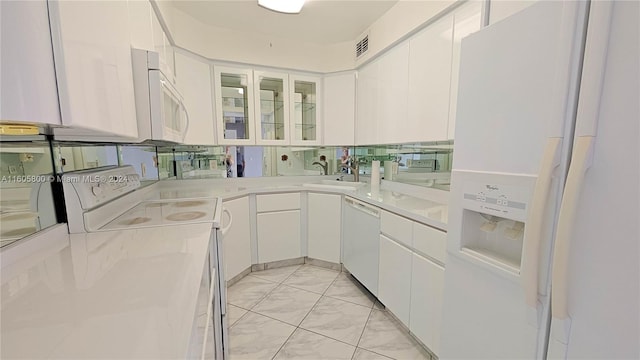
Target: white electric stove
{"x": 165, "y": 212}
{"x": 111, "y": 198}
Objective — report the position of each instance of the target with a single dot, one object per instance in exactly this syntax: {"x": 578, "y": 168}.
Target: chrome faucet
{"x": 355, "y": 169}
{"x": 323, "y": 166}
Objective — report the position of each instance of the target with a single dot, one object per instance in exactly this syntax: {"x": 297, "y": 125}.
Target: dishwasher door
{"x": 361, "y": 245}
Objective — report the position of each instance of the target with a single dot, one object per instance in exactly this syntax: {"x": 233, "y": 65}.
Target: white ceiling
{"x": 320, "y": 21}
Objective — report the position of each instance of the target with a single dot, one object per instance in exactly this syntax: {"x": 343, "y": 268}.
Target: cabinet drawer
{"x": 430, "y": 241}
{"x": 397, "y": 227}
{"x": 277, "y": 202}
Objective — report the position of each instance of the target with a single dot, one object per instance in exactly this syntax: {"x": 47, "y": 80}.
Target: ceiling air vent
{"x": 362, "y": 46}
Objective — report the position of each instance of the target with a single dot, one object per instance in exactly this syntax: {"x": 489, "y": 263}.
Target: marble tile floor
{"x": 309, "y": 312}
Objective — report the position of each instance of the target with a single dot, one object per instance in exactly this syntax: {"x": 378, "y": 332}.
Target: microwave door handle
{"x": 186, "y": 115}
{"x": 174, "y": 95}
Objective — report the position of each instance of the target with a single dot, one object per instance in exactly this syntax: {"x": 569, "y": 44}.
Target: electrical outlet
{"x": 12, "y": 169}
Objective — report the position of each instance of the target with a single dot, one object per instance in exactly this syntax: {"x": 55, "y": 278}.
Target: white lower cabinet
{"x": 324, "y": 227}
{"x": 430, "y": 241}
{"x": 427, "y": 287}
{"x": 278, "y": 235}
{"x": 237, "y": 241}
{"x": 394, "y": 278}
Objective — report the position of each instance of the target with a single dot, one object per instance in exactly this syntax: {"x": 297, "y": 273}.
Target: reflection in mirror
{"x": 291, "y": 161}
{"x": 70, "y": 156}
{"x": 190, "y": 162}
{"x": 187, "y": 162}
{"x": 143, "y": 159}
{"x": 423, "y": 164}
{"x": 26, "y": 199}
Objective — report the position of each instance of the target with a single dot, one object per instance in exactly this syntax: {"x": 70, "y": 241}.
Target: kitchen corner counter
{"x": 429, "y": 212}
{"x": 116, "y": 294}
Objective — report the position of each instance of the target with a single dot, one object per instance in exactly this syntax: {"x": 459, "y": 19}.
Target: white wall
{"x": 254, "y": 48}
{"x": 403, "y": 18}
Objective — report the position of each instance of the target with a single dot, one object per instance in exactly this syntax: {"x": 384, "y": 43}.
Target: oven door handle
{"x": 225, "y": 229}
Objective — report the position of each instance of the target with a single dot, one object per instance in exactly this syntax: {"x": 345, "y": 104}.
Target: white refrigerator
{"x": 544, "y": 243}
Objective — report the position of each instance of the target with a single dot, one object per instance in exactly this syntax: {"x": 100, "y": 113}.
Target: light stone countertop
{"x": 127, "y": 294}
{"x": 432, "y": 212}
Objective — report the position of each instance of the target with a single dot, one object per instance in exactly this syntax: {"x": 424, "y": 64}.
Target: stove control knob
{"x": 97, "y": 190}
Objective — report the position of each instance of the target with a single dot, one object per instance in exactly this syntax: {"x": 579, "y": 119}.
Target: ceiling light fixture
{"x": 283, "y": 6}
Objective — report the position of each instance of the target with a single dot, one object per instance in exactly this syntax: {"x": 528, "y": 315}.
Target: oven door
{"x": 169, "y": 117}
{"x": 220, "y": 303}
{"x": 205, "y": 334}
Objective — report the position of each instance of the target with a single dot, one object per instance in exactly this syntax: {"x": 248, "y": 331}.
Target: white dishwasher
{"x": 361, "y": 245}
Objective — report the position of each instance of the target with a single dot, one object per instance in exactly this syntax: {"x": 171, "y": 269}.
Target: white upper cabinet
{"x": 141, "y": 17}
{"x": 163, "y": 47}
{"x": 305, "y": 112}
{"x": 366, "y": 127}
{"x": 430, "y": 69}
{"x": 193, "y": 80}
{"x": 339, "y": 109}
{"x": 381, "y": 100}
{"x": 409, "y": 93}
{"x": 467, "y": 20}
{"x": 92, "y": 48}
{"x": 27, "y": 71}
{"x": 393, "y": 76}
{"x": 271, "y": 106}
{"x": 233, "y": 92}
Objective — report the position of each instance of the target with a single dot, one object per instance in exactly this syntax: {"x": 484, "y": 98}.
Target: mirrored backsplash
{"x": 28, "y": 167}
{"x": 423, "y": 164}
{"x": 26, "y": 196}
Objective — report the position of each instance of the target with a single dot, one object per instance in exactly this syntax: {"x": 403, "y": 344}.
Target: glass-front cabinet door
{"x": 272, "y": 107}
{"x": 234, "y": 105}
{"x": 304, "y": 110}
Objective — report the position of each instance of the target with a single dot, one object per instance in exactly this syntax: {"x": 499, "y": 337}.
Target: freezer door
{"x": 516, "y": 108}
{"x": 596, "y": 276}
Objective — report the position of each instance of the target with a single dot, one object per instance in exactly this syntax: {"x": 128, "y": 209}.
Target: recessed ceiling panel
{"x": 320, "y": 21}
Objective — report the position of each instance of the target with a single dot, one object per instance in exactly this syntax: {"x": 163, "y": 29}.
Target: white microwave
{"x": 159, "y": 107}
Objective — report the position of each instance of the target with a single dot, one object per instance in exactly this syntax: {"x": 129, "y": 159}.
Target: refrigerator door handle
{"x": 581, "y": 160}
{"x": 534, "y": 227}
